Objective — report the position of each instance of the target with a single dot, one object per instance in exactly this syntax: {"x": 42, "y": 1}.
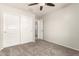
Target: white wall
{"x": 62, "y": 27}
{"x": 27, "y": 28}
{"x": 21, "y": 13}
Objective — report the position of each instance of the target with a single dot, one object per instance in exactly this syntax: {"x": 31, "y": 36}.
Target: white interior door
{"x": 11, "y": 34}
{"x": 27, "y": 28}
{"x": 40, "y": 29}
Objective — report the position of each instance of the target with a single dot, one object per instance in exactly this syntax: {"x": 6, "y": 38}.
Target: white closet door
{"x": 27, "y": 28}
{"x": 40, "y": 29}
{"x": 11, "y": 34}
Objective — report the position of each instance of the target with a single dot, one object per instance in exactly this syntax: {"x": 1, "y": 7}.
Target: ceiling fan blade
{"x": 41, "y": 7}
{"x": 50, "y": 4}
{"x": 32, "y": 4}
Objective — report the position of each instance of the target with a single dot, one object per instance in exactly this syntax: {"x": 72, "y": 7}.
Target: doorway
{"x": 38, "y": 28}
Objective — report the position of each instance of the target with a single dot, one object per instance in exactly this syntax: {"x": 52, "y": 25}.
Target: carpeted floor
{"x": 38, "y": 48}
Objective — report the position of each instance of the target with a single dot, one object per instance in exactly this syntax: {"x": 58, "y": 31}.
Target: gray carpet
{"x": 38, "y": 48}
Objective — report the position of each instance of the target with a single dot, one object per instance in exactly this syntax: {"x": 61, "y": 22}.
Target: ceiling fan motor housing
{"x": 41, "y": 8}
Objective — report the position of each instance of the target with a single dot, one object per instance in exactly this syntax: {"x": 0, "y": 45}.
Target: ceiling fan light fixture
{"x": 42, "y": 5}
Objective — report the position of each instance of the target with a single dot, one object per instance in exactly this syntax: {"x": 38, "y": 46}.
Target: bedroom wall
{"x": 62, "y": 27}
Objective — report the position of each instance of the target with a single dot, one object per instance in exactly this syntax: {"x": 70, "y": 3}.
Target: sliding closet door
{"x": 27, "y": 28}
{"x": 11, "y": 34}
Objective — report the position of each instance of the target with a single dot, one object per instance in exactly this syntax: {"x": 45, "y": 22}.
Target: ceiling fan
{"x": 41, "y": 6}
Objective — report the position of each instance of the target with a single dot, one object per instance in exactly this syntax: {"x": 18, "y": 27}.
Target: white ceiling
{"x": 36, "y": 8}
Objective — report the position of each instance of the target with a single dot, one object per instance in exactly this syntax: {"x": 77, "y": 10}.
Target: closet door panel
{"x": 11, "y": 30}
